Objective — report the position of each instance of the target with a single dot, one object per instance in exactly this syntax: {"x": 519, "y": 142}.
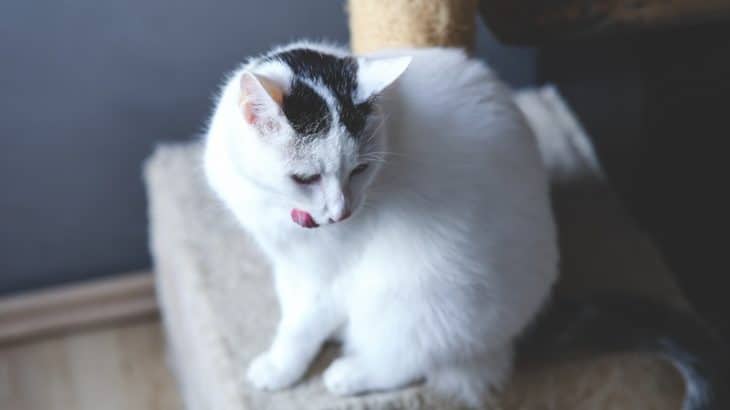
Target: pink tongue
{"x": 303, "y": 218}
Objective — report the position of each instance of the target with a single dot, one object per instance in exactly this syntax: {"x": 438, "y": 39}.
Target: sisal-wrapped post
{"x": 378, "y": 24}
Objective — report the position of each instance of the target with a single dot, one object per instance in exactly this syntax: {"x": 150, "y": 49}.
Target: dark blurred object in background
{"x": 657, "y": 105}
{"x": 683, "y": 182}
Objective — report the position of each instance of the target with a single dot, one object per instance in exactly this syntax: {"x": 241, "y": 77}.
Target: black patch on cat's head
{"x": 305, "y": 109}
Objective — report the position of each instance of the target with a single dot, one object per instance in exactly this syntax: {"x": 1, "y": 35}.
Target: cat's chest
{"x": 325, "y": 250}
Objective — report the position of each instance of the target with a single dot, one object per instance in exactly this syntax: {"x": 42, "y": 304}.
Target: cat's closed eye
{"x": 359, "y": 169}
{"x": 306, "y": 179}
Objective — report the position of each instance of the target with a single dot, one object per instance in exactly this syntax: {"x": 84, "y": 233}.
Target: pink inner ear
{"x": 262, "y": 118}
{"x": 272, "y": 89}
{"x": 248, "y": 113}
{"x": 260, "y": 96}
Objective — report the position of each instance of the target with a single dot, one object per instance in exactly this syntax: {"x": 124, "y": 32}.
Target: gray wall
{"x": 87, "y": 88}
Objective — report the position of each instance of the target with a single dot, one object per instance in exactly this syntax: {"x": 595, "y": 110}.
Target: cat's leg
{"x": 308, "y": 318}
{"x": 354, "y": 374}
{"x": 380, "y": 350}
{"x": 398, "y": 335}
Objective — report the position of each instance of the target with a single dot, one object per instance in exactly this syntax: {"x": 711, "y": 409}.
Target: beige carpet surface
{"x": 219, "y": 307}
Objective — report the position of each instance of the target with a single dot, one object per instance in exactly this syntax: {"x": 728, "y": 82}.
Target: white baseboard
{"x": 69, "y": 307}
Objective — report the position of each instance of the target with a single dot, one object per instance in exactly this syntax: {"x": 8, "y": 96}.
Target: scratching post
{"x": 378, "y": 24}
{"x": 216, "y": 292}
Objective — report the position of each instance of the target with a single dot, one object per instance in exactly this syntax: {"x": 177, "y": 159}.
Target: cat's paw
{"x": 265, "y": 374}
{"x": 345, "y": 377}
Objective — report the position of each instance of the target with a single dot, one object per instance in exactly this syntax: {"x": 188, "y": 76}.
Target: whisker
{"x": 394, "y": 154}
{"x": 377, "y": 128}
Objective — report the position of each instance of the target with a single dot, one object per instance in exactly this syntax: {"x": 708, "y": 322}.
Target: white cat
{"x": 405, "y": 209}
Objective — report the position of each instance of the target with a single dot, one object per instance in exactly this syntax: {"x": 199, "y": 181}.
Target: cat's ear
{"x": 261, "y": 100}
{"x": 375, "y": 74}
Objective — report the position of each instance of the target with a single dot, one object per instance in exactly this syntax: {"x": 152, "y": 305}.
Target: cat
{"x": 405, "y": 209}
{"x": 404, "y": 206}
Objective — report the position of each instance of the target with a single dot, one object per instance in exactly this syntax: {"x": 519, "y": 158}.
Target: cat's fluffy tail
{"x": 613, "y": 323}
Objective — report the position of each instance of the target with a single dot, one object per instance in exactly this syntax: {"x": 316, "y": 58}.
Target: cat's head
{"x": 318, "y": 130}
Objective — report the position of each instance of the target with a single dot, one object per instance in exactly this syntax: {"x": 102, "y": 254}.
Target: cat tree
{"x": 216, "y": 294}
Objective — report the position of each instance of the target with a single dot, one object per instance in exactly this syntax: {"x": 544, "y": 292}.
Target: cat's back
{"x": 447, "y": 103}
{"x": 445, "y": 87}
{"x": 464, "y": 159}
{"x": 454, "y": 127}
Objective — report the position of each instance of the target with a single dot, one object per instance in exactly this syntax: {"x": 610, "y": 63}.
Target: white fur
{"x": 451, "y": 249}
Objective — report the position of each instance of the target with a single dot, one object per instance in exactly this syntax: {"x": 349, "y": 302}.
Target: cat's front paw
{"x": 344, "y": 377}
{"x": 265, "y": 374}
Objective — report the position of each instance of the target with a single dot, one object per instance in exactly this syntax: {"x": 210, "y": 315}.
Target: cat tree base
{"x": 219, "y": 309}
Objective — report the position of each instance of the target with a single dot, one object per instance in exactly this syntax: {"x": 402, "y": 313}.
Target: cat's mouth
{"x": 303, "y": 218}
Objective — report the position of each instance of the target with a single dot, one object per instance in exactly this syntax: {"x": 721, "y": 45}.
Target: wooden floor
{"x": 115, "y": 367}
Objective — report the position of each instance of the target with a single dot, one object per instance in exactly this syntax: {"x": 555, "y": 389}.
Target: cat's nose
{"x": 338, "y": 207}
